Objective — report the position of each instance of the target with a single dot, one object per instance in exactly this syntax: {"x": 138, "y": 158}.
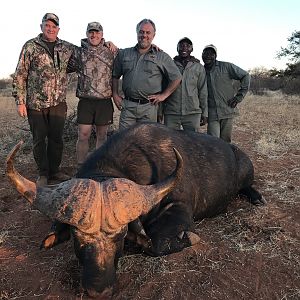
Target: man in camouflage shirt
{"x": 93, "y": 62}
{"x": 39, "y": 88}
{"x": 222, "y": 96}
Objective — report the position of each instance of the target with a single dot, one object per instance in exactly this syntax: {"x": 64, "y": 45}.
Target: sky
{"x": 248, "y": 33}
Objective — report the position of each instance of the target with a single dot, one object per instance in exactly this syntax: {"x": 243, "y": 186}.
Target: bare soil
{"x": 248, "y": 252}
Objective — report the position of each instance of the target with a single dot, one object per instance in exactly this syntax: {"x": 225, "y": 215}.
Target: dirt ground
{"x": 246, "y": 253}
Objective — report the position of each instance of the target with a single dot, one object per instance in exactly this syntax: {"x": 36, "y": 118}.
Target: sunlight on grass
{"x": 3, "y": 236}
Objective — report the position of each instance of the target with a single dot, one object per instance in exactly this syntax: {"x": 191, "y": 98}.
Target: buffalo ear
{"x": 61, "y": 233}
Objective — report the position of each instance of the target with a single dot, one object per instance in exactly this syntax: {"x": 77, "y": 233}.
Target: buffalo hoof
{"x": 253, "y": 195}
{"x": 261, "y": 201}
{"x": 192, "y": 237}
{"x": 141, "y": 240}
{"x": 105, "y": 295}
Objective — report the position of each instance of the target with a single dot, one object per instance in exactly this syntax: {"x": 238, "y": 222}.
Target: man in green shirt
{"x": 149, "y": 77}
{"x": 187, "y": 106}
{"x": 222, "y": 96}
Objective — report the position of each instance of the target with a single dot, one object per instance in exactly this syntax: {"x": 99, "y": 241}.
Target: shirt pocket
{"x": 128, "y": 64}
{"x": 150, "y": 65}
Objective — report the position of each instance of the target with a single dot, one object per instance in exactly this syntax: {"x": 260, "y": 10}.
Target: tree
{"x": 291, "y": 75}
{"x": 292, "y": 50}
{"x": 263, "y": 79}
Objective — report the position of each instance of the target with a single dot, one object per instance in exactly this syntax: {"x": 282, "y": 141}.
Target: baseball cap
{"x": 52, "y": 17}
{"x": 211, "y": 46}
{"x": 187, "y": 40}
{"x": 94, "y": 26}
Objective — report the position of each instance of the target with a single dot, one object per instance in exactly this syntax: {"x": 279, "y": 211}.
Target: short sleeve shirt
{"x": 144, "y": 74}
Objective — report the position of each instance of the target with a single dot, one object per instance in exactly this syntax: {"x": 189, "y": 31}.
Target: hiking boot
{"x": 41, "y": 181}
{"x": 60, "y": 176}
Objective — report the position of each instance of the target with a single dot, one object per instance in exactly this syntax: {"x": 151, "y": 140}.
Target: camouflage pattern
{"x": 39, "y": 80}
{"x": 94, "y": 67}
{"x": 94, "y": 26}
{"x": 52, "y": 17}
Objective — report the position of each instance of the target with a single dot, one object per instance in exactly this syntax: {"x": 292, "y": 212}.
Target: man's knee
{"x": 125, "y": 122}
{"x": 83, "y": 136}
{"x": 226, "y": 130}
{"x": 213, "y": 128}
{"x": 172, "y": 122}
{"x": 84, "y": 133}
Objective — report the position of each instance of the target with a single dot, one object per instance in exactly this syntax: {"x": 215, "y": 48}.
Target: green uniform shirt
{"x": 144, "y": 74}
{"x": 190, "y": 97}
{"x": 220, "y": 81}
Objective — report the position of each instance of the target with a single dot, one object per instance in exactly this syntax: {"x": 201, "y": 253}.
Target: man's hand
{"x": 203, "y": 121}
{"x": 118, "y": 100}
{"x": 22, "y": 111}
{"x": 232, "y": 102}
{"x": 111, "y": 46}
{"x": 156, "y": 47}
{"x": 160, "y": 118}
{"x": 157, "y": 98}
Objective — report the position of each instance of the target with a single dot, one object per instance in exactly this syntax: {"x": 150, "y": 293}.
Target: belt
{"x": 139, "y": 101}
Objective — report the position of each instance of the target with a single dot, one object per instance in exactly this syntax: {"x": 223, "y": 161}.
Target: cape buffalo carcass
{"x": 96, "y": 214}
{"x": 213, "y": 173}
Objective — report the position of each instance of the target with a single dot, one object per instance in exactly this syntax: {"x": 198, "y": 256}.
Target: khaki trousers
{"x": 221, "y": 129}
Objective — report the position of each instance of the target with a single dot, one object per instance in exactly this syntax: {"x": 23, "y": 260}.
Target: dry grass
{"x": 275, "y": 118}
{"x": 244, "y": 251}
{"x": 272, "y": 125}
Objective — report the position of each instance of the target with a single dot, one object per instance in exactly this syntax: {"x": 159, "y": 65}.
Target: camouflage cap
{"x": 94, "y": 26}
{"x": 212, "y": 47}
{"x": 52, "y": 17}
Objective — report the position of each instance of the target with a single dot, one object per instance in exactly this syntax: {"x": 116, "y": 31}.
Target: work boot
{"x": 41, "y": 181}
{"x": 60, "y": 176}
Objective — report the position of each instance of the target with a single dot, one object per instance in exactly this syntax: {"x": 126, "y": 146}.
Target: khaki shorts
{"x": 95, "y": 112}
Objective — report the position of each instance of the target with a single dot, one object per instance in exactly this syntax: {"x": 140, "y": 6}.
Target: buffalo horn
{"x": 24, "y": 186}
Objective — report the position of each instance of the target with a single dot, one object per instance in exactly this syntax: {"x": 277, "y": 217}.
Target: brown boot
{"x": 60, "y": 176}
{"x": 41, "y": 181}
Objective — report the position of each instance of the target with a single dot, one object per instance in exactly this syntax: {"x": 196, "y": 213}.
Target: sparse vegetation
{"x": 288, "y": 80}
{"x": 246, "y": 253}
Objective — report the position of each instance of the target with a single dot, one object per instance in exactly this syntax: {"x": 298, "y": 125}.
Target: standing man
{"x": 93, "y": 63}
{"x": 39, "y": 88}
{"x": 187, "y": 106}
{"x": 149, "y": 77}
{"x": 222, "y": 98}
